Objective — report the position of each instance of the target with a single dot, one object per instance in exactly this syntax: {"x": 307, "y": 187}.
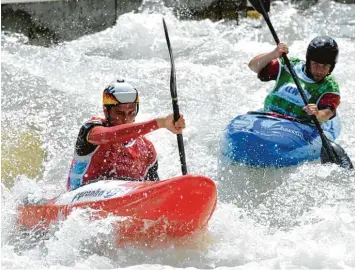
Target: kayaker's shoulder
{"x": 95, "y": 120}
{"x": 331, "y": 82}
{"x": 88, "y": 124}
{"x": 330, "y": 79}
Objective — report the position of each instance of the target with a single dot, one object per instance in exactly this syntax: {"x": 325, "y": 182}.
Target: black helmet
{"x": 323, "y": 50}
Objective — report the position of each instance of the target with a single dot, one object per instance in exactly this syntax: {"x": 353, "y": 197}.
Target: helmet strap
{"x": 331, "y": 69}
{"x": 108, "y": 118}
{"x": 308, "y": 69}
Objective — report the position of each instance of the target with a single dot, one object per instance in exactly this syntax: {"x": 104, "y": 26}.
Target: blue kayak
{"x": 267, "y": 140}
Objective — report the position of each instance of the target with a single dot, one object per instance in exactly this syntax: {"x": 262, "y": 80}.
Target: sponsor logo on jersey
{"x": 290, "y": 93}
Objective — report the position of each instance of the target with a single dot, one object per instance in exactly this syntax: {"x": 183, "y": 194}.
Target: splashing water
{"x": 300, "y": 217}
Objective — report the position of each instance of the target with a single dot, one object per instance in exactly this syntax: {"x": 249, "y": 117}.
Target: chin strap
{"x": 307, "y": 69}
{"x": 108, "y": 118}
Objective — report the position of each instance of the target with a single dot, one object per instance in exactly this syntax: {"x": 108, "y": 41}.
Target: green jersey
{"x": 285, "y": 97}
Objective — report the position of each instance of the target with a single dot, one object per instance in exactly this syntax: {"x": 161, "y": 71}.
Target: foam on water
{"x": 301, "y": 217}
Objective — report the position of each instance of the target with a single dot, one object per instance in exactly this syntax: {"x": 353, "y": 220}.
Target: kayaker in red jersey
{"x": 320, "y": 87}
{"x": 115, "y": 147}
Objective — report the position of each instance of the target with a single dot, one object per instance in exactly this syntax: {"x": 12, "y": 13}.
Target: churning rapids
{"x": 300, "y": 217}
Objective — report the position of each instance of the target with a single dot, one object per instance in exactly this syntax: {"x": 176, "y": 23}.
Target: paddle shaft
{"x": 180, "y": 138}
{"x": 324, "y": 139}
{"x": 174, "y": 99}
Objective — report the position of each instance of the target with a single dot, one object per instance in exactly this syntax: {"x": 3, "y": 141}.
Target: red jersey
{"x": 113, "y": 153}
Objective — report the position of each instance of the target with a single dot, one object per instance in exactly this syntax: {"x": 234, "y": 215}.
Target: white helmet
{"x": 118, "y": 93}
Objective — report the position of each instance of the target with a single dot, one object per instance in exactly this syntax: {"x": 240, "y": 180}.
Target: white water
{"x": 302, "y": 217}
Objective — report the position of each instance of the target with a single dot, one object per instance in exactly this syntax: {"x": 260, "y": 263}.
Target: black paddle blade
{"x": 173, "y": 73}
{"x": 341, "y": 158}
{"x": 174, "y": 100}
{"x": 259, "y": 4}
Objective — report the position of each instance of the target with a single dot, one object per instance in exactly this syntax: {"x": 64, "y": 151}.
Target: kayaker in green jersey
{"x": 314, "y": 75}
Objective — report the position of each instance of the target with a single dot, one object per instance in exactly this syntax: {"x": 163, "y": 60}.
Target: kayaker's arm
{"x": 121, "y": 133}
{"x": 322, "y": 115}
{"x": 260, "y": 61}
{"x": 325, "y": 115}
{"x": 326, "y": 107}
{"x": 127, "y": 132}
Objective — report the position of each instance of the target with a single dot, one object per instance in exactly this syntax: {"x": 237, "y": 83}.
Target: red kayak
{"x": 170, "y": 209}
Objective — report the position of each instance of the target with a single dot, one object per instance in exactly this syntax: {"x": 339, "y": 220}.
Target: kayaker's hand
{"x": 321, "y": 115}
{"x": 311, "y": 109}
{"x": 168, "y": 123}
{"x": 281, "y": 49}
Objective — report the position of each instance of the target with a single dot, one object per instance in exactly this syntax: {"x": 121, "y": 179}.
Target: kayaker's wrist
{"x": 275, "y": 54}
{"x": 160, "y": 122}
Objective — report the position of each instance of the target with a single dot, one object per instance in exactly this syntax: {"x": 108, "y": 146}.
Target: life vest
{"x": 285, "y": 97}
{"x": 136, "y": 159}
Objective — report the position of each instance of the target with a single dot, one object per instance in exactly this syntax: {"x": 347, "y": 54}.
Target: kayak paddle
{"x": 331, "y": 152}
{"x": 175, "y": 101}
